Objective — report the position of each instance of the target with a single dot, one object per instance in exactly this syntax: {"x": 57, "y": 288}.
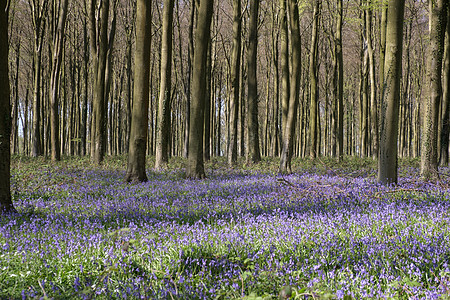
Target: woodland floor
{"x": 325, "y": 231}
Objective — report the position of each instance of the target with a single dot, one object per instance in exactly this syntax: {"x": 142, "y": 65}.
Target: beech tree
{"x": 252, "y": 104}
{"x": 163, "y": 132}
{"x": 195, "y": 165}
{"x": 314, "y": 101}
{"x": 289, "y": 133}
{"x": 234, "y": 82}
{"x": 57, "y": 51}
{"x": 445, "y": 133}
{"x": 38, "y": 10}
{"x": 139, "y": 121}
{"x": 429, "y": 159}
{"x": 100, "y": 46}
{"x": 387, "y": 160}
{"x": 6, "y": 204}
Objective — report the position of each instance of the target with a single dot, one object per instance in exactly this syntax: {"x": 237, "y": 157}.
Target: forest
{"x": 227, "y": 149}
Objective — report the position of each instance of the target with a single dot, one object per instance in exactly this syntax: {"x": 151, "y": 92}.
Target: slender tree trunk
{"x": 364, "y": 95}
{"x": 387, "y": 160}
{"x": 16, "y": 111}
{"x": 234, "y": 88}
{"x": 139, "y": 123}
{"x": 163, "y": 131}
{"x": 84, "y": 102}
{"x": 432, "y": 102}
{"x": 38, "y": 12}
{"x": 195, "y": 168}
{"x": 373, "y": 86}
{"x": 253, "y": 130}
{"x": 276, "y": 90}
{"x": 445, "y": 134}
{"x": 314, "y": 112}
{"x": 207, "y": 120}
{"x": 189, "y": 76}
{"x": 58, "y": 46}
{"x": 285, "y": 88}
{"x": 290, "y": 124}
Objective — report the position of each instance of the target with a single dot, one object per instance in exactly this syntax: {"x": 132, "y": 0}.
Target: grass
{"x": 327, "y": 231}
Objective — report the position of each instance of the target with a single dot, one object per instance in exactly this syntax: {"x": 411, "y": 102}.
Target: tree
{"x": 188, "y": 78}
{"x": 234, "y": 82}
{"x": 289, "y": 132}
{"x": 163, "y": 132}
{"x": 429, "y": 162}
{"x": 38, "y": 12}
{"x": 252, "y": 104}
{"x": 314, "y": 102}
{"x": 139, "y": 121}
{"x": 57, "y": 50}
{"x": 387, "y": 160}
{"x": 6, "y": 204}
{"x": 373, "y": 99}
{"x": 99, "y": 51}
{"x": 284, "y": 49}
{"x": 339, "y": 81}
{"x": 445, "y": 133}
{"x": 195, "y": 165}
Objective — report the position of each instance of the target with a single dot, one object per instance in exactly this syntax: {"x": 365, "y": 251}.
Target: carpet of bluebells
{"x": 83, "y": 233}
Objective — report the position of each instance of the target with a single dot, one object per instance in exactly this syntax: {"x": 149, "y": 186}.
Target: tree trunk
{"x": 207, "y": 120}
{"x": 387, "y": 160}
{"x": 189, "y": 76}
{"x": 5, "y": 117}
{"x": 139, "y": 122}
{"x": 99, "y": 49}
{"x": 445, "y": 133}
{"x": 340, "y": 67}
{"x": 58, "y": 45}
{"x": 84, "y": 103}
{"x": 163, "y": 132}
{"x": 15, "y": 108}
{"x": 284, "y": 66}
{"x": 275, "y": 145}
{"x": 429, "y": 163}
{"x": 373, "y": 86}
{"x": 314, "y": 112}
{"x": 195, "y": 168}
{"x": 38, "y": 15}
{"x": 234, "y": 88}
{"x": 289, "y": 133}
{"x": 253, "y": 130}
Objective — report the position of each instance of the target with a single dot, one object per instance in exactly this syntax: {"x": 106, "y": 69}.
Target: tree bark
{"x": 284, "y": 65}
{"x": 189, "y": 81}
{"x": 432, "y": 101}
{"x": 314, "y": 112}
{"x": 289, "y": 133}
{"x": 234, "y": 88}
{"x": 340, "y": 68}
{"x": 139, "y": 122}
{"x": 57, "y": 51}
{"x": 195, "y": 168}
{"x": 38, "y": 12}
{"x": 445, "y": 133}
{"x": 253, "y": 130}
{"x": 99, "y": 50}
{"x": 164, "y": 109}
{"x": 6, "y": 204}
{"x": 387, "y": 160}
{"x": 373, "y": 86}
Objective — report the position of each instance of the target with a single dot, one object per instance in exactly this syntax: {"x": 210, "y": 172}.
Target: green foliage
{"x": 122, "y": 253}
